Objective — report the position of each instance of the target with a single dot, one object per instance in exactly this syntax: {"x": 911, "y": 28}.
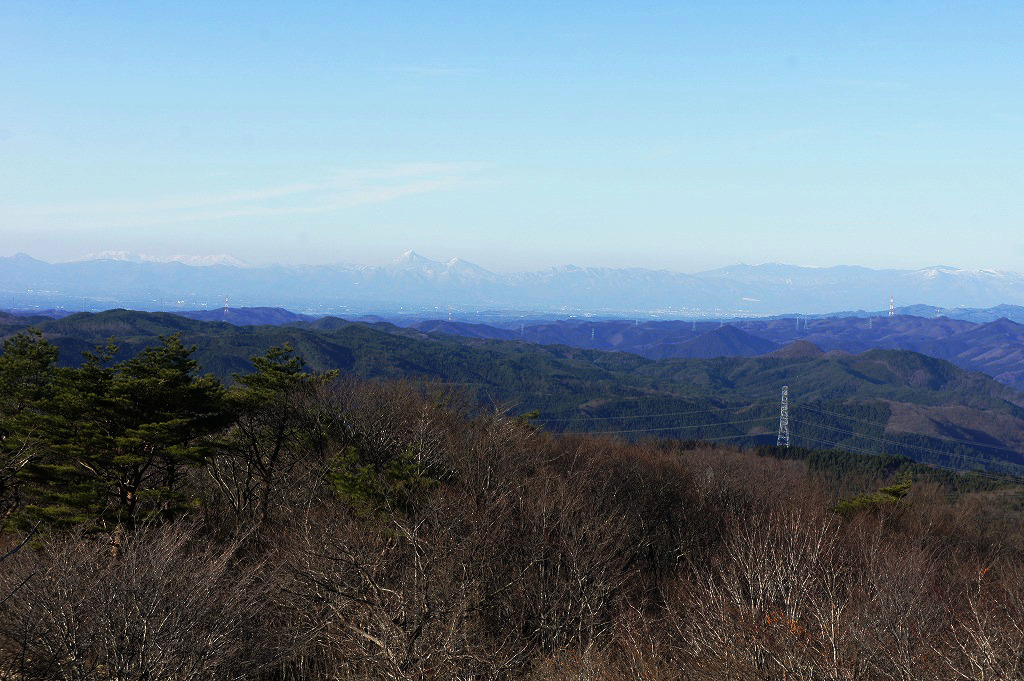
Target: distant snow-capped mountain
{"x": 196, "y": 260}
{"x": 456, "y": 268}
{"x": 413, "y": 281}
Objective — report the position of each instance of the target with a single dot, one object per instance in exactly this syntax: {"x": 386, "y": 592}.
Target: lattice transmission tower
{"x": 784, "y": 419}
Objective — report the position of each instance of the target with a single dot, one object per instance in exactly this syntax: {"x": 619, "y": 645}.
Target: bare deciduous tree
{"x": 169, "y": 606}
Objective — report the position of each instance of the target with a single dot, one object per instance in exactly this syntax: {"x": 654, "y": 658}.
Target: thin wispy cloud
{"x": 866, "y": 84}
{"x": 340, "y": 190}
{"x": 434, "y": 70}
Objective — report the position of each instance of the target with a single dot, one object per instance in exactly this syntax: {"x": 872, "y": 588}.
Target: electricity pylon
{"x": 784, "y": 420}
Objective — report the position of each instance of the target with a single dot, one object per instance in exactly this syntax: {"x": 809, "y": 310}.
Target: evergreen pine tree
{"x": 27, "y": 369}
{"x": 121, "y": 437}
{"x": 275, "y": 427}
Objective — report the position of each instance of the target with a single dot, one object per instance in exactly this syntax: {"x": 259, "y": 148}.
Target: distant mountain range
{"x": 413, "y": 283}
{"x": 892, "y": 401}
{"x": 995, "y": 348}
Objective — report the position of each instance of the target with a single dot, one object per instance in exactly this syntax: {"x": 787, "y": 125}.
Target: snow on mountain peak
{"x": 193, "y": 260}
{"x": 411, "y": 256}
{"x": 204, "y": 260}
{"x": 411, "y": 261}
{"x": 124, "y": 256}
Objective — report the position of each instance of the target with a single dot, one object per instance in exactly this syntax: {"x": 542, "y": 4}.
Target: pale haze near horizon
{"x": 663, "y": 135}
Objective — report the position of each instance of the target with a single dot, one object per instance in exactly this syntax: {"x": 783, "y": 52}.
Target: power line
{"x": 831, "y": 428}
{"x": 834, "y": 445}
{"x": 882, "y": 440}
{"x": 897, "y": 444}
{"x": 648, "y": 416}
{"x": 799, "y": 436}
{"x": 757, "y": 398}
{"x": 654, "y": 430}
{"x": 715, "y": 438}
{"x": 830, "y": 444}
{"x": 724, "y": 437}
{"x": 935, "y": 437}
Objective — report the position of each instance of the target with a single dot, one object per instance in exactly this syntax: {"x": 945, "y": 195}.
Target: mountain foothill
{"x": 938, "y": 391}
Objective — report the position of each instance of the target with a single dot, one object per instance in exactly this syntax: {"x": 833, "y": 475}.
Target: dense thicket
{"x": 298, "y": 526}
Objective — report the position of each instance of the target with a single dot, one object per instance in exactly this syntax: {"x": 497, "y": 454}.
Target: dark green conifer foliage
{"x": 27, "y": 368}
{"x": 274, "y": 429}
{"x": 121, "y": 437}
{"x": 389, "y": 488}
{"x": 873, "y": 501}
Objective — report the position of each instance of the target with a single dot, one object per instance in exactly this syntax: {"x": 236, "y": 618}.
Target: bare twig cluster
{"x": 381, "y": 531}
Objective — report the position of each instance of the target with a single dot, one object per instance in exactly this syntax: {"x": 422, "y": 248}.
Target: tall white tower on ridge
{"x": 892, "y": 306}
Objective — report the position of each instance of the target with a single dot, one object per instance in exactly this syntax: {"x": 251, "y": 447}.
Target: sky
{"x": 682, "y": 135}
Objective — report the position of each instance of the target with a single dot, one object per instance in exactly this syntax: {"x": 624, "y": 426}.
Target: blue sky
{"x": 516, "y": 135}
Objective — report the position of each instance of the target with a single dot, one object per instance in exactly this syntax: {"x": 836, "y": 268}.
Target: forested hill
{"x": 891, "y": 401}
{"x": 994, "y": 347}
{"x": 991, "y": 346}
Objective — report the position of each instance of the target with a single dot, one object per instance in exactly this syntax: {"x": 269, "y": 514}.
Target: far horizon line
{"x": 473, "y": 316}
{"x": 411, "y": 255}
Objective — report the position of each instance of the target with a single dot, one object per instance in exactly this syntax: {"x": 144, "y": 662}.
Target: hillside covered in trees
{"x": 993, "y": 347}
{"x": 880, "y": 401}
{"x": 299, "y": 525}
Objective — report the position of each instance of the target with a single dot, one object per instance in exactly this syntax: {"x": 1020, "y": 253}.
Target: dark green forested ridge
{"x": 889, "y": 401}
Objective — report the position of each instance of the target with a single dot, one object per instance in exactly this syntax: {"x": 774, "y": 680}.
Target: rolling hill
{"x": 895, "y": 401}
{"x": 995, "y": 348}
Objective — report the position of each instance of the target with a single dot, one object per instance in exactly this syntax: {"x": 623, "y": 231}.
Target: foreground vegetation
{"x": 300, "y": 526}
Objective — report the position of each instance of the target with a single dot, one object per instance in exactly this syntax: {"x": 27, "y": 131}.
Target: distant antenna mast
{"x": 449, "y": 313}
{"x": 225, "y": 307}
{"x": 784, "y": 419}
{"x": 694, "y": 325}
{"x": 522, "y": 330}
{"x": 871, "y": 322}
{"x": 591, "y": 334}
{"x": 938, "y": 312}
{"x": 797, "y": 323}
{"x": 892, "y": 306}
